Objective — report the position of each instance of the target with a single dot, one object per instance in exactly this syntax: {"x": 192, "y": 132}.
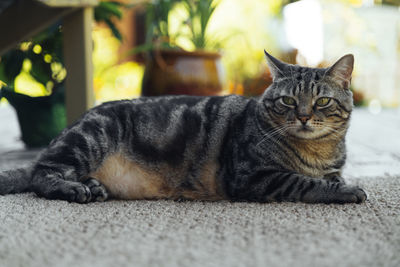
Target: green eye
{"x": 323, "y": 101}
{"x": 288, "y": 101}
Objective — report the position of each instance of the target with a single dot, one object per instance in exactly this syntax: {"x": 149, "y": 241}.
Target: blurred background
{"x": 214, "y": 47}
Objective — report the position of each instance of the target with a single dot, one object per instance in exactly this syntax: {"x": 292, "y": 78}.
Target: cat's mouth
{"x": 305, "y": 128}
{"x": 304, "y": 132}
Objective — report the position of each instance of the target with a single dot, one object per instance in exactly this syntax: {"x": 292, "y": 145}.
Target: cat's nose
{"x": 304, "y": 118}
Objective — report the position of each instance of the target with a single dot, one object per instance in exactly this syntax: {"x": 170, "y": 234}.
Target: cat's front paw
{"x": 98, "y": 191}
{"x": 335, "y": 179}
{"x": 70, "y": 191}
{"x": 349, "y": 194}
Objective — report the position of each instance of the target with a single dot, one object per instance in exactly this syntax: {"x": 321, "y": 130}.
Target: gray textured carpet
{"x": 38, "y": 232}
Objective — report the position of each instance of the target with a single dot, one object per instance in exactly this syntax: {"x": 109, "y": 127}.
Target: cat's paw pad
{"x": 74, "y": 192}
{"x": 351, "y": 194}
{"x": 98, "y": 191}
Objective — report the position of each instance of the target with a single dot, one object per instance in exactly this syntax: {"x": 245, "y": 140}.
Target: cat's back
{"x": 165, "y": 113}
{"x": 164, "y": 105}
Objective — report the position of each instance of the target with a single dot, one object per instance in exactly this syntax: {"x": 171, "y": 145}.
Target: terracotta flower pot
{"x": 170, "y": 72}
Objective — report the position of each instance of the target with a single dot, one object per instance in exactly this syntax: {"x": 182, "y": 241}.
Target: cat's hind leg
{"x": 62, "y": 170}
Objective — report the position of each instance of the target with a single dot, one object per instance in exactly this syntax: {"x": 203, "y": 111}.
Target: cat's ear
{"x": 276, "y": 66}
{"x": 341, "y": 71}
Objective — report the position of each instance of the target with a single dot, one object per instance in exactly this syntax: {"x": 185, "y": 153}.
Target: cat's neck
{"x": 323, "y": 148}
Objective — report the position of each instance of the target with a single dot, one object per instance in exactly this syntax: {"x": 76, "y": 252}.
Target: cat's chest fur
{"x": 316, "y": 158}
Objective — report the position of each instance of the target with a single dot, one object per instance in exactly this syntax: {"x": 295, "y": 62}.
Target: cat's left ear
{"x": 341, "y": 71}
{"x": 276, "y": 66}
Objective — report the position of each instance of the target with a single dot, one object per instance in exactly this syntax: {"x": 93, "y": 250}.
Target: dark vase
{"x": 40, "y": 118}
{"x": 171, "y": 72}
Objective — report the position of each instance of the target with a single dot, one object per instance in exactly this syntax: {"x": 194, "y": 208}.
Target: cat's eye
{"x": 323, "y": 101}
{"x": 287, "y": 100}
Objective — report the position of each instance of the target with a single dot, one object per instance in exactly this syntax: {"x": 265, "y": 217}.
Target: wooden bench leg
{"x": 78, "y": 46}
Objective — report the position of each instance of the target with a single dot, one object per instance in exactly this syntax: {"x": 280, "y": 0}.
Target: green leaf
{"x": 114, "y": 29}
{"x": 108, "y": 9}
{"x": 106, "y": 12}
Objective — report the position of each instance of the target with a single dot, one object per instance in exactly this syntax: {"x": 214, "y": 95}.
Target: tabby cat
{"x": 286, "y": 145}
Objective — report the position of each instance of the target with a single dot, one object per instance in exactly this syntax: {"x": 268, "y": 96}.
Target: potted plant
{"x": 171, "y": 69}
{"x": 42, "y": 118}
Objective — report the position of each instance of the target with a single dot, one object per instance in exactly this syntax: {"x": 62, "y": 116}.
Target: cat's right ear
{"x": 341, "y": 71}
{"x": 276, "y": 66}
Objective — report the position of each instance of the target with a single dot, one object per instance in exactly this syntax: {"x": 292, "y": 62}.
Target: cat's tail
{"x": 15, "y": 181}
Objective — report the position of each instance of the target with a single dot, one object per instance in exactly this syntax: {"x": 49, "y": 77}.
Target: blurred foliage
{"x": 113, "y": 80}
{"x": 276, "y": 6}
{"x": 239, "y": 29}
{"x": 199, "y": 14}
{"x": 157, "y": 24}
{"x": 108, "y": 11}
{"x": 41, "y": 57}
{"x": 388, "y": 2}
{"x": 177, "y": 24}
{"x": 251, "y": 27}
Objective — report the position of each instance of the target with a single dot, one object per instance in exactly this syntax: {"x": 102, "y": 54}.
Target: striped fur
{"x": 208, "y": 148}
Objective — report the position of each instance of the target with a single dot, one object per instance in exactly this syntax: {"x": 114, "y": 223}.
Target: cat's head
{"x": 309, "y": 103}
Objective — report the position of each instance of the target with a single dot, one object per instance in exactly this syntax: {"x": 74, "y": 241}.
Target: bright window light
{"x": 304, "y": 29}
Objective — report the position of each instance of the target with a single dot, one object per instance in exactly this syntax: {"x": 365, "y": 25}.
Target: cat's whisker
{"x": 276, "y": 132}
